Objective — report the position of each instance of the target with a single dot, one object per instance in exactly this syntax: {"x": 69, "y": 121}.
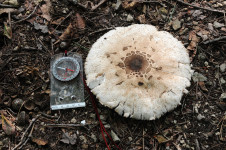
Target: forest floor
{"x": 32, "y": 31}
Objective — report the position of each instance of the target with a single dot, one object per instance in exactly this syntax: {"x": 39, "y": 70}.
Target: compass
{"x": 66, "y": 68}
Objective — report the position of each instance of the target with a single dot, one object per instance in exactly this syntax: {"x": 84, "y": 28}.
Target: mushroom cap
{"x": 138, "y": 71}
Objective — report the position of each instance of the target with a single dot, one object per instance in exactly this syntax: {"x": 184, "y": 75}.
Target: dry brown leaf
{"x": 203, "y": 34}
{"x": 129, "y": 4}
{"x": 69, "y": 139}
{"x": 39, "y": 141}
{"x": 67, "y": 33}
{"x": 47, "y": 91}
{"x": 45, "y": 8}
{"x": 202, "y": 86}
{"x": 58, "y": 21}
{"x": 80, "y": 23}
{"x": 193, "y": 44}
{"x": 141, "y": 18}
{"x": 161, "y": 139}
{"x": 7, "y": 126}
{"x": 192, "y": 36}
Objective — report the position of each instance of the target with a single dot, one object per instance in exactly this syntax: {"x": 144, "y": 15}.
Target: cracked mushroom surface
{"x": 138, "y": 71}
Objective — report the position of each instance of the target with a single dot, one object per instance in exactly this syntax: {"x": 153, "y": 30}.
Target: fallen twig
{"x": 96, "y": 6}
{"x": 22, "y": 140}
{"x": 209, "y": 9}
{"x": 63, "y": 20}
{"x": 214, "y": 40}
{"x": 48, "y": 116}
{"x": 177, "y": 146}
{"x": 27, "y": 16}
{"x": 64, "y": 125}
{"x": 197, "y": 144}
{"x": 8, "y": 6}
{"x": 29, "y": 136}
{"x": 93, "y": 7}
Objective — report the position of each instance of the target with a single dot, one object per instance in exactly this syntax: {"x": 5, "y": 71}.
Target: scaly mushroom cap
{"x": 140, "y": 72}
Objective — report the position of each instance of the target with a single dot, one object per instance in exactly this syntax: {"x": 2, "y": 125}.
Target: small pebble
{"x": 73, "y": 120}
{"x": 93, "y": 136}
{"x": 176, "y": 24}
{"x": 83, "y": 138}
{"x": 17, "y": 103}
{"x": 114, "y": 136}
{"x": 63, "y": 45}
{"x": 223, "y": 96}
{"x": 217, "y": 133}
{"x": 217, "y": 24}
{"x": 197, "y": 77}
{"x": 200, "y": 117}
{"x": 107, "y": 126}
{"x": 223, "y": 67}
{"x": 182, "y": 141}
{"x": 222, "y": 80}
{"x": 129, "y": 18}
{"x": 102, "y": 117}
{"x": 83, "y": 122}
{"x": 206, "y": 63}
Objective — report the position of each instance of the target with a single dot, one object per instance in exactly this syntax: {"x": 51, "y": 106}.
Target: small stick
{"x": 25, "y": 132}
{"x": 215, "y": 40}
{"x": 197, "y": 144}
{"x": 177, "y": 146}
{"x": 63, "y": 20}
{"x": 8, "y": 6}
{"x": 96, "y": 6}
{"x": 27, "y": 16}
{"x": 64, "y": 125}
{"x": 48, "y": 116}
{"x": 209, "y": 9}
{"x": 43, "y": 45}
{"x": 29, "y": 136}
{"x": 9, "y": 17}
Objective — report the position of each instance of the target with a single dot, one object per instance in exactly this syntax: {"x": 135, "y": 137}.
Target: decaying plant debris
{"x": 33, "y": 31}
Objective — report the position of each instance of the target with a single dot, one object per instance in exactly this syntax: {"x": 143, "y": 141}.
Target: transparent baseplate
{"x": 67, "y": 94}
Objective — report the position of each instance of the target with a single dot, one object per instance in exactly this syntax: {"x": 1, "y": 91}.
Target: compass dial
{"x": 66, "y": 68}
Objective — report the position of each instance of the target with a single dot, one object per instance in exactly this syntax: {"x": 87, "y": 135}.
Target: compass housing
{"x": 66, "y": 68}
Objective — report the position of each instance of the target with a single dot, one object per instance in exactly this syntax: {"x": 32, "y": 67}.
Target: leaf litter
{"x": 74, "y": 21}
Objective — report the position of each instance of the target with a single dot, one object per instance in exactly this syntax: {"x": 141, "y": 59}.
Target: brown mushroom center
{"x": 136, "y": 63}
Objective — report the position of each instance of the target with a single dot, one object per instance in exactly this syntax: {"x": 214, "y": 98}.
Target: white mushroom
{"x": 140, "y": 72}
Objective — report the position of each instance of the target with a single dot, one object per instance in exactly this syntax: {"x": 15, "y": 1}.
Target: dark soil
{"x": 198, "y": 123}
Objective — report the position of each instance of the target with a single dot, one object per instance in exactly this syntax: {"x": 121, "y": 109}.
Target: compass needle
{"x": 61, "y": 69}
{"x": 70, "y": 69}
